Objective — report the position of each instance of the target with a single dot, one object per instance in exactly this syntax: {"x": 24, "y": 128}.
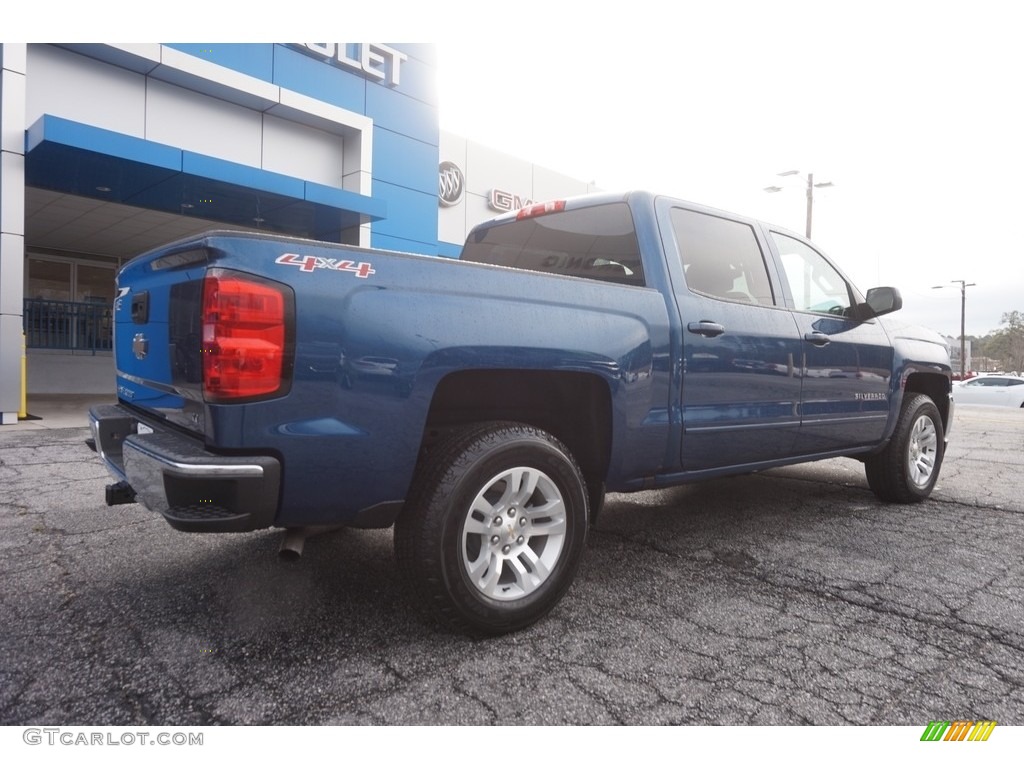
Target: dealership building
{"x": 109, "y": 150}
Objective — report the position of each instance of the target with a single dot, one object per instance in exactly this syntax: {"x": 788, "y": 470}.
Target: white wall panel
{"x": 358, "y": 161}
{"x": 451, "y": 223}
{"x": 13, "y": 57}
{"x": 488, "y": 169}
{"x": 452, "y": 148}
{"x": 304, "y": 152}
{"x": 476, "y": 211}
{"x": 12, "y": 111}
{"x": 84, "y": 90}
{"x": 203, "y": 124}
{"x": 12, "y": 274}
{"x": 358, "y": 182}
{"x": 12, "y": 193}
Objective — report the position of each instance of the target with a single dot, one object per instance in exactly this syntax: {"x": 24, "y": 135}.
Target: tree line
{"x": 1003, "y": 348}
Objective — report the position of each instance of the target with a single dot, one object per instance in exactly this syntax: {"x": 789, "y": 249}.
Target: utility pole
{"x": 811, "y": 186}
{"x": 964, "y": 285}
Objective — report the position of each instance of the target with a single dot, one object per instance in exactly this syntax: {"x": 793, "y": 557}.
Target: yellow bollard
{"x": 23, "y": 413}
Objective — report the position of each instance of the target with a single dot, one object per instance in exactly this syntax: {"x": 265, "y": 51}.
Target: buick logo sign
{"x": 451, "y": 184}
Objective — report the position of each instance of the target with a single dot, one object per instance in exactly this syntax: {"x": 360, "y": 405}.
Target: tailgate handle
{"x": 140, "y": 308}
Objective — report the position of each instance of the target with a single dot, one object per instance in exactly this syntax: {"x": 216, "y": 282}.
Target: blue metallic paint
{"x": 371, "y": 353}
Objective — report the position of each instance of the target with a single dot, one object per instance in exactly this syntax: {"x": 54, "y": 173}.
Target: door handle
{"x": 817, "y": 338}
{"x": 706, "y": 328}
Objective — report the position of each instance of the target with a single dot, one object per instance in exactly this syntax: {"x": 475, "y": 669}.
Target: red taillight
{"x": 539, "y": 209}
{"x": 244, "y": 337}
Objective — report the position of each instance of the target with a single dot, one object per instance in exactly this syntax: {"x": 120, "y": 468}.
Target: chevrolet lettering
{"x": 376, "y": 60}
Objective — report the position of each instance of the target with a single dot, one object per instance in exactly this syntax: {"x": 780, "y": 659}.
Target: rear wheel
{"x": 908, "y": 468}
{"x": 493, "y": 530}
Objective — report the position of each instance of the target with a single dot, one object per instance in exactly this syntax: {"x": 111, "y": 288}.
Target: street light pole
{"x": 811, "y": 186}
{"x": 810, "y": 201}
{"x": 963, "y": 316}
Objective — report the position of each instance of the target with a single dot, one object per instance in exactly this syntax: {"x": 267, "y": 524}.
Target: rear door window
{"x": 598, "y": 242}
{"x": 721, "y": 258}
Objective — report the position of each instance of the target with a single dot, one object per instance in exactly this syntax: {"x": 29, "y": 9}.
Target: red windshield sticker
{"x": 309, "y": 263}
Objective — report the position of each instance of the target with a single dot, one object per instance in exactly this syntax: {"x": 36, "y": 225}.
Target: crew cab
{"x": 483, "y": 406}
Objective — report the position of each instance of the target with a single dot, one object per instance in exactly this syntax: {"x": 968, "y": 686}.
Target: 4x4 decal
{"x": 308, "y": 263}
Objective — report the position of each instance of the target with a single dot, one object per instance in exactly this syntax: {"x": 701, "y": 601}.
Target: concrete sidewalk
{"x": 57, "y": 412}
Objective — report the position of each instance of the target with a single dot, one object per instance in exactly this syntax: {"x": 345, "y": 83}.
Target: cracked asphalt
{"x": 788, "y": 597}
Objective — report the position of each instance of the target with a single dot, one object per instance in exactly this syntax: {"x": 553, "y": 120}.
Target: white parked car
{"x": 991, "y": 389}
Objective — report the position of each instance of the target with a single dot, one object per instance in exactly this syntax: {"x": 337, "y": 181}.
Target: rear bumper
{"x": 194, "y": 489}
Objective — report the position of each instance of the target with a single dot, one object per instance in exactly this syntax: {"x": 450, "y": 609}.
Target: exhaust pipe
{"x": 292, "y": 543}
{"x": 295, "y": 539}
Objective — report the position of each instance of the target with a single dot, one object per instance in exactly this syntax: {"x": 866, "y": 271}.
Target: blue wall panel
{"x": 411, "y": 214}
{"x": 313, "y": 77}
{"x": 242, "y": 175}
{"x": 102, "y": 141}
{"x": 418, "y": 74}
{"x": 403, "y": 206}
{"x": 254, "y": 59}
{"x": 349, "y": 201}
{"x": 425, "y": 53}
{"x": 402, "y": 114}
{"x": 406, "y": 134}
{"x": 403, "y": 161}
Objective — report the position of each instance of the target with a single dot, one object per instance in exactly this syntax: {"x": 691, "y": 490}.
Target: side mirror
{"x": 881, "y": 301}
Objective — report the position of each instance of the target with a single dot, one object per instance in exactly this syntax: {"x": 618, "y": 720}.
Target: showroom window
{"x": 68, "y": 304}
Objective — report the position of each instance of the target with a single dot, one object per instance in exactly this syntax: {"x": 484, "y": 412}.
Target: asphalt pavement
{"x": 787, "y": 597}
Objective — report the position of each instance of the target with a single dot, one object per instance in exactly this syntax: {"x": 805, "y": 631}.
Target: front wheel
{"x": 907, "y": 470}
{"x": 494, "y": 528}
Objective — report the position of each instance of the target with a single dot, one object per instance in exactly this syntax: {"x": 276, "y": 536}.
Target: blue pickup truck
{"x": 484, "y": 405}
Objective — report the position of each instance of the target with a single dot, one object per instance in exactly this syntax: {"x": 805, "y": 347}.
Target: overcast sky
{"x": 913, "y": 111}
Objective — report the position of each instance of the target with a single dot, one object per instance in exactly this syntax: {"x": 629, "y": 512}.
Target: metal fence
{"x": 67, "y": 325}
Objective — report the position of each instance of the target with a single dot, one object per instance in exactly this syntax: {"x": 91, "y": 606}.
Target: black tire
{"x": 907, "y": 470}
{"x": 493, "y": 530}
